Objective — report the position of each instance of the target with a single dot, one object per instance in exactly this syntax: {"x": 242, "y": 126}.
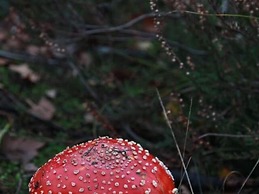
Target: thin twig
{"x": 122, "y": 26}
{"x": 28, "y": 58}
{"x": 186, "y": 135}
{"x": 224, "y": 135}
{"x": 187, "y": 128}
{"x": 4, "y": 131}
{"x": 175, "y": 141}
{"x": 217, "y": 14}
{"x": 182, "y": 176}
{"x": 83, "y": 80}
{"x": 18, "y": 189}
{"x": 257, "y": 162}
{"x": 151, "y": 15}
{"x": 226, "y": 178}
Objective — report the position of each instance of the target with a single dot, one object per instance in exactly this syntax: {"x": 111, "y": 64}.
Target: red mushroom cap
{"x": 103, "y": 166}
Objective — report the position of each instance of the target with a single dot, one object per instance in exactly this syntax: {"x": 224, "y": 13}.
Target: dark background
{"x": 71, "y": 71}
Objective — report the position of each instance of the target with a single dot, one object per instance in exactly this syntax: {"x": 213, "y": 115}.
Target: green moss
{"x": 49, "y": 151}
{"x": 11, "y": 176}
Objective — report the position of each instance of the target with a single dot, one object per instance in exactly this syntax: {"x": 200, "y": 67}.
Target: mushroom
{"x": 103, "y": 166}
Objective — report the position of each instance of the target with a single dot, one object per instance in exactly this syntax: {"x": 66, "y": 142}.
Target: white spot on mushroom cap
{"x": 175, "y": 191}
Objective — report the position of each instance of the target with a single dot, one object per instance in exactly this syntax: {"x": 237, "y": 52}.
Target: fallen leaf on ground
{"x": 89, "y": 118}
{"x": 12, "y": 44}
{"x": 23, "y": 36}
{"x": 85, "y": 59}
{"x": 3, "y": 34}
{"x": 19, "y": 149}
{"x": 30, "y": 167}
{"x": 52, "y": 93}
{"x": 3, "y": 61}
{"x": 25, "y": 72}
{"x": 33, "y": 50}
{"x": 184, "y": 190}
{"x": 143, "y": 45}
{"x": 44, "y": 109}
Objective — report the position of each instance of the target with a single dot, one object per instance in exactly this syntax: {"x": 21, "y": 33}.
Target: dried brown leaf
{"x": 143, "y": 45}
{"x": 89, "y": 118}
{"x": 3, "y": 34}
{"x": 44, "y": 109}
{"x": 33, "y": 49}
{"x": 3, "y": 61}
{"x": 25, "y": 72}
{"x": 12, "y": 43}
{"x": 24, "y": 37}
{"x": 85, "y": 59}
{"x": 52, "y": 93}
{"x": 184, "y": 190}
{"x": 19, "y": 149}
{"x": 30, "y": 167}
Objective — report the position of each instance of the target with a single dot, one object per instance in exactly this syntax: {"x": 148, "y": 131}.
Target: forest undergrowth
{"x": 180, "y": 77}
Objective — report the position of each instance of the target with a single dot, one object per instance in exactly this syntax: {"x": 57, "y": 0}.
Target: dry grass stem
{"x": 175, "y": 141}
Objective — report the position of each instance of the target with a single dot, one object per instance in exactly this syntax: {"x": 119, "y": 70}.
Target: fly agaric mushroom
{"x": 103, "y": 166}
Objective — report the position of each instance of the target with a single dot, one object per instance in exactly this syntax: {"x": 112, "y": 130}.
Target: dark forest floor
{"x": 73, "y": 71}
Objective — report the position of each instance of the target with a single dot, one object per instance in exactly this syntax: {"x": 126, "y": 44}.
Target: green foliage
{"x": 4, "y": 7}
{"x": 50, "y": 151}
{"x": 221, "y": 79}
{"x": 10, "y": 175}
